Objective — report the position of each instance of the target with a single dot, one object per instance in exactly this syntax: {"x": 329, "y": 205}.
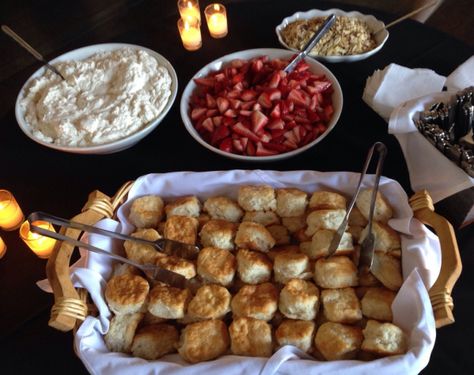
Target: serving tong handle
{"x": 367, "y": 247}
{"x": 153, "y": 272}
{"x": 311, "y": 43}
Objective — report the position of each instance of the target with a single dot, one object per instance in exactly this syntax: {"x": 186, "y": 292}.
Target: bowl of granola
{"x": 353, "y": 36}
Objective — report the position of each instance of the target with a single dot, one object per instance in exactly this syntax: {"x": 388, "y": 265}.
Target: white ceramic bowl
{"x": 272, "y": 53}
{"x": 114, "y": 146}
{"x": 373, "y": 23}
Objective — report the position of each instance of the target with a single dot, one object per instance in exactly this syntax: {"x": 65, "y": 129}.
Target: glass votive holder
{"x": 190, "y": 32}
{"x": 216, "y": 18}
{"x": 11, "y": 215}
{"x": 189, "y": 9}
{"x": 41, "y": 245}
{"x": 3, "y": 248}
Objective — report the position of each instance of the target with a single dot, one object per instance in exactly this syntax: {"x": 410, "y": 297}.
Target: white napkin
{"x": 390, "y": 87}
{"x": 412, "y": 309}
{"x": 462, "y": 76}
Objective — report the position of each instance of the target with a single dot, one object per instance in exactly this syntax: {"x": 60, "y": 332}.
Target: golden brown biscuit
{"x": 250, "y": 337}
{"x": 154, "y": 341}
{"x": 368, "y": 279}
{"x": 291, "y": 202}
{"x": 146, "y": 211}
{"x": 216, "y": 265}
{"x": 223, "y": 208}
{"x": 384, "y": 338}
{"x": 185, "y": 206}
{"x": 356, "y": 218}
{"x": 386, "y": 238}
{"x": 377, "y": 304}
{"x": 253, "y": 267}
{"x": 321, "y": 241}
{"x": 203, "y": 341}
{"x": 299, "y": 299}
{"x": 121, "y": 331}
{"x": 338, "y": 341}
{"x": 382, "y": 212}
{"x": 120, "y": 269}
{"x": 257, "y": 198}
{"x": 218, "y": 233}
{"x": 387, "y": 270}
{"x": 254, "y": 236}
{"x": 324, "y": 219}
{"x": 143, "y": 253}
{"x": 291, "y": 265}
{"x": 262, "y": 217}
{"x": 298, "y": 333}
{"x": 341, "y": 305}
{"x": 181, "y": 229}
{"x": 282, "y": 249}
{"x": 179, "y": 265}
{"x": 335, "y": 272}
{"x": 210, "y": 302}
{"x": 327, "y": 200}
{"x": 255, "y": 301}
{"x": 126, "y": 294}
{"x": 295, "y": 223}
{"x": 280, "y": 234}
{"x": 168, "y": 302}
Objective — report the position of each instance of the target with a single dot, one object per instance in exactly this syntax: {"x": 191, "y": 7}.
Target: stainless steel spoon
{"x": 30, "y": 49}
{"x": 311, "y": 43}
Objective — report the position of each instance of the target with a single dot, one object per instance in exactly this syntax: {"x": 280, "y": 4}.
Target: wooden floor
{"x": 455, "y": 17}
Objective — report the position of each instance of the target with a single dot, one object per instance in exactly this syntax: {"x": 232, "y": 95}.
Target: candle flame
{"x": 186, "y": 25}
{"x": 190, "y": 5}
{"x": 216, "y": 6}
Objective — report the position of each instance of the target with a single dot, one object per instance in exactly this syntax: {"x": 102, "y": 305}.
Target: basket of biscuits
{"x": 263, "y": 295}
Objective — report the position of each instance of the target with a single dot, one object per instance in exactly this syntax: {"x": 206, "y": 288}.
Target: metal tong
{"x": 311, "y": 43}
{"x": 367, "y": 246}
{"x": 152, "y": 272}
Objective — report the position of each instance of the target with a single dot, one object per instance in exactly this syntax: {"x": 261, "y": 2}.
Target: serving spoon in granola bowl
{"x": 153, "y": 272}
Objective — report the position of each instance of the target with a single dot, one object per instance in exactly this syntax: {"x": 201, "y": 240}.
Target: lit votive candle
{"x": 3, "y": 248}
{"x": 189, "y": 9}
{"x": 216, "y": 18}
{"x": 42, "y": 246}
{"x": 11, "y": 215}
{"x": 190, "y": 33}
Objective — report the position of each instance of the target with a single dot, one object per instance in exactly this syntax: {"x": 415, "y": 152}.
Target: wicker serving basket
{"x": 71, "y": 305}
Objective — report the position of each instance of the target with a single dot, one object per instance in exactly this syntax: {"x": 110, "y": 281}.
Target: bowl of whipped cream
{"x": 113, "y": 95}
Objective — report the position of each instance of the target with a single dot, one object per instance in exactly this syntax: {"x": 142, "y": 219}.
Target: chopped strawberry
{"x": 290, "y": 144}
{"x": 230, "y": 113}
{"x": 228, "y": 121}
{"x": 259, "y": 120}
{"x": 299, "y": 97}
{"x": 220, "y": 133}
{"x": 222, "y": 104}
{"x": 235, "y": 103}
{"x": 237, "y": 63}
{"x": 211, "y": 112}
{"x": 233, "y": 94}
{"x": 208, "y": 81}
{"x": 245, "y": 112}
{"x": 276, "y": 124}
{"x": 210, "y": 101}
{"x": 239, "y": 77}
{"x": 238, "y": 145}
{"x": 217, "y": 120}
{"x": 257, "y": 65}
{"x": 197, "y": 113}
{"x": 277, "y": 133}
{"x": 240, "y": 129}
{"x": 274, "y": 94}
{"x": 276, "y": 111}
{"x": 219, "y": 77}
{"x": 274, "y": 80}
{"x": 264, "y": 100}
{"x": 250, "y": 149}
{"x": 208, "y": 124}
{"x": 279, "y": 148}
{"x": 265, "y": 136}
{"x": 248, "y": 95}
{"x": 262, "y": 151}
{"x": 226, "y": 144}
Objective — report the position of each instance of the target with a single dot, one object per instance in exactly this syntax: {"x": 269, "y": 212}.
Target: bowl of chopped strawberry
{"x": 244, "y": 106}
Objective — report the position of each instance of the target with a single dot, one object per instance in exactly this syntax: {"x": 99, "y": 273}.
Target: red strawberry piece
{"x": 240, "y": 129}
{"x": 277, "y": 133}
{"x": 210, "y": 101}
{"x": 257, "y": 107}
{"x": 197, "y": 113}
{"x": 276, "y": 111}
{"x": 274, "y": 94}
{"x": 235, "y": 103}
{"x": 257, "y": 65}
{"x": 328, "y": 111}
{"x": 313, "y": 116}
{"x": 211, "y": 112}
{"x": 219, "y": 77}
{"x": 277, "y": 124}
{"x": 222, "y": 104}
{"x": 250, "y": 149}
{"x": 245, "y": 112}
{"x": 220, "y": 133}
{"x": 264, "y": 100}
{"x": 259, "y": 120}
{"x": 321, "y": 86}
{"x": 226, "y": 144}
{"x": 262, "y": 151}
{"x": 248, "y": 95}
{"x": 228, "y": 121}
{"x": 265, "y": 136}
{"x": 290, "y": 125}
{"x": 217, "y": 120}
{"x": 274, "y": 80}
{"x": 239, "y": 77}
{"x": 299, "y": 97}
{"x": 275, "y": 146}
{"x": 239, "y": 86}
{"x": 290, "y": 144}
{"x": 233, "y": 94}
{"x": 205, "y": 81}
{"x": 237, "y": 63}
{"x": 208, "y": 124}
{"x": 301, "y": 66}
{"x": 230, "y": 113}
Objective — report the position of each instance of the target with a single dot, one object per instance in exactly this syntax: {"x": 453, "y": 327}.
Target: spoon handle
{"x": 311, "y": 43}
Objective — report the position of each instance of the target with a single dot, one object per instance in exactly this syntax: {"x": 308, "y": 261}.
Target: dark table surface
{"x": 47, "y": 180}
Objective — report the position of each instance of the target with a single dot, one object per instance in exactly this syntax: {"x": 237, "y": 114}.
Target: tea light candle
{"x": 11, "y": 215}
{"x": 3, "y": 248}
{"x": 189, "y": 9}
{"x": 42, "y": 246}
{"x": 216, "y": 18}
{"x": 190, "y": 33}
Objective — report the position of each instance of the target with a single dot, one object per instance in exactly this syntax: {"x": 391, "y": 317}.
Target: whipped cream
{"x": 104, "y": 98}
